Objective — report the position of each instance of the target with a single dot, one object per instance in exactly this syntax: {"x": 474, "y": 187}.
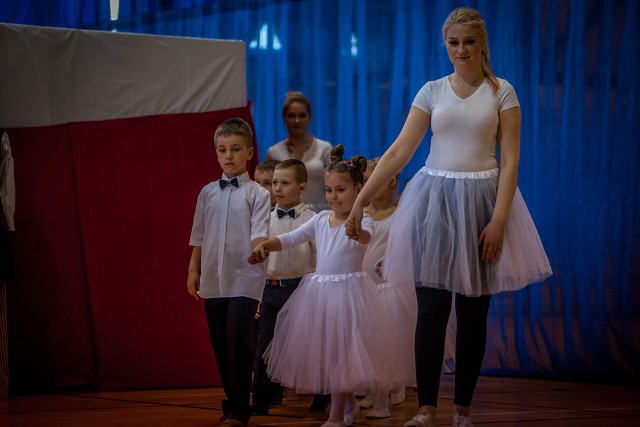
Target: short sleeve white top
{"x": 376, "y": 248}
{"x": 464, "y": 130}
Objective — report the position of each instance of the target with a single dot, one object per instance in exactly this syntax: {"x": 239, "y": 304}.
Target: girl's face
{"x": 297, "y": 119}
{"x": 340, "y": 193}
{"x": 464, "y": 46}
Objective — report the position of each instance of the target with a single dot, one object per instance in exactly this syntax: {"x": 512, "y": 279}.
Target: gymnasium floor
{"x": 498, "y": 402}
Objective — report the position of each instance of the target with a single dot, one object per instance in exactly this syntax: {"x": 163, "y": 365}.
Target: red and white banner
{"x": 112, "y": 139}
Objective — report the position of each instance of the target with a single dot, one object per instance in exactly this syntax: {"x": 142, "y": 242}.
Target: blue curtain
{"x": 574, "y": 64}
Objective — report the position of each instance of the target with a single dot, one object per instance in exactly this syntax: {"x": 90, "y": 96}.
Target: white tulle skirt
{"x": 434, "y": 237}
{"x": 401, "y": 304}
{"x": 334, "y": 335}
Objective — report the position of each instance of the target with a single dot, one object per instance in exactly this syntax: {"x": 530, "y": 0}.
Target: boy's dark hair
{"x": 299, "y": 169}
{"x": 354, "y": 168}
{"x": 235, "y": 126}
{"x": 267, "y": 165}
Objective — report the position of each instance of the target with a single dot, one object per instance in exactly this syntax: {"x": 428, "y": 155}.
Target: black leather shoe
{"x": 320, "y": 403}
{"x": 225, "y": 410}
{"x": 259, "y": 409}
{"x": 276, "y": 400}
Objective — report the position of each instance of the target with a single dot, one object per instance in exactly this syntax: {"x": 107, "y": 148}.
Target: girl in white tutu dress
{"x": 333, "y": 335}
{"x": 400, "y": 301}
{"x": 461, "y": 228}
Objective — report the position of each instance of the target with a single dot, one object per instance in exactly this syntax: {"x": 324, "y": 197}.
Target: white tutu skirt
{"x": 401, "y": 304}
{"x": 334, "y": 335}
{"x": 434, "y": 237}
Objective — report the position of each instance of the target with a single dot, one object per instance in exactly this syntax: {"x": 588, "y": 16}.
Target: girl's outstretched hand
{"x": 353, "y": 225}
{"x": 258, "y": 254}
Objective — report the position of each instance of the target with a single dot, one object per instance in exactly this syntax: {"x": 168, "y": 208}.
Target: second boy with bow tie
{"x": 284, "y": 271}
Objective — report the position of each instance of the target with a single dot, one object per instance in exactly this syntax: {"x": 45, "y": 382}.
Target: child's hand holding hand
{"x": 258, "y": 254}
{"x": 353, "y": 225}
{"x": 350, "y": 228}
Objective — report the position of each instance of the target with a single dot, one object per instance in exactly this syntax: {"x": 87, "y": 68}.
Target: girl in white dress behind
{"x": 333, "y": 334}
{"x": 400, "y": 301}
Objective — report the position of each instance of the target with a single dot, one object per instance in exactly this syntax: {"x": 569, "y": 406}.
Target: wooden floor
{"x": 498, "y": 402}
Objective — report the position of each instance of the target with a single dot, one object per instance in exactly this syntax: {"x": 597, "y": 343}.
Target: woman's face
{"x": 297, "y": 119}
{"x": 464, "y": 46}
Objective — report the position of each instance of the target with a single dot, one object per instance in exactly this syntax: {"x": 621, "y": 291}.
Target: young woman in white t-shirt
{"x": 461, "y": 229}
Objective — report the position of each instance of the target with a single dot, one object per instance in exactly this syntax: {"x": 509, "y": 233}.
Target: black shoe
{"x": 320, "y": 403}
{"x": 276, "y": 400}
{"x": 225, "y": 410}
{"x": 234, "y": 422}
{"x": 259, "y": 409}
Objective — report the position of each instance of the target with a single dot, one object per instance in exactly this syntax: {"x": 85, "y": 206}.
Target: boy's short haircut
{"x": 267, "y": 165}
{"x": 235, "y": 126}
{"x": 299, "y": 169}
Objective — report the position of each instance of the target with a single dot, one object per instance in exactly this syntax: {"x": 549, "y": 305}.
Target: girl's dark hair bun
{"x": 355, "y": 168}
{"x": 337, "y": 153}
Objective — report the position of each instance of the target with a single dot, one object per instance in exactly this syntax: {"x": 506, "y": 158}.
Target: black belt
{"x": 283, "y": 283}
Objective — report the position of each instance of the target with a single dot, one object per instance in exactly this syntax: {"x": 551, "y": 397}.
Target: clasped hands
{"x": 258, "y": 254}
{"x": 353, "y": 224}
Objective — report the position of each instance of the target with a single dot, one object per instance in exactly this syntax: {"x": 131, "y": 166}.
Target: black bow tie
{"x": 281, "y": 213}
{"x": 232, "y": 181}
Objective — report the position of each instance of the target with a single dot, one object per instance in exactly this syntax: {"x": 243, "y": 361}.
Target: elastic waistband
{"x": 491, "y": 173}
{"x": 283, "y": 283}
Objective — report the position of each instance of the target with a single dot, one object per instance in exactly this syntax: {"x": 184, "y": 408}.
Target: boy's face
{"x": 286, "y": 189}
{"x": 233, "y": 154}
{"x": 264, "y": 179}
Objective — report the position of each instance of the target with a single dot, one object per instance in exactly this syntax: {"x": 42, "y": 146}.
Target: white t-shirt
{"x": 377, "y": 247}
{"x": 315, "y": 159}
{"x": 464, "y": 130}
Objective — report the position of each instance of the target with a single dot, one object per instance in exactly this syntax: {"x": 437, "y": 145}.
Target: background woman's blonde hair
{"x": 295, "y": 97}
{"x": 468, "y": 16}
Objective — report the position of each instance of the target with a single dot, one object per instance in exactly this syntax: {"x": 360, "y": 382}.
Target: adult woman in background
{"x": 301, "y": 145}
{"x": 461, "y": 229}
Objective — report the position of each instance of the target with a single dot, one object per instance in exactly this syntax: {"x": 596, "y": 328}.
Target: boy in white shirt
{"x": 284, "y": 272}
{"x": 263, "y": 175}
{"x": 231, "y": 218}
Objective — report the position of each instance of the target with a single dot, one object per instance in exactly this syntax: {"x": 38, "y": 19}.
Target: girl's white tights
{"x": 341, "y": 404}
{"x": 380, "y": 404}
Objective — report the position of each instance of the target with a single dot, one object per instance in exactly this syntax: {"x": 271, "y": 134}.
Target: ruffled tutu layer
{"x": 401, "y": 305}
{"x": 434, "y": 237}
{"x": 334, "y": 335}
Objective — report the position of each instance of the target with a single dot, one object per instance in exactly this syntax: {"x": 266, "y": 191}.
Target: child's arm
{"x": 363, "y": 237}
{"x": 257, "y": 241}
{"x": 193, "y": 279}
{"x": 261, "y": 251}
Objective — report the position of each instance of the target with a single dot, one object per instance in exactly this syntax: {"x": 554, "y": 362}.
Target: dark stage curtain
{"x": 574, "y": 65}
{"x": 101, "y": 253}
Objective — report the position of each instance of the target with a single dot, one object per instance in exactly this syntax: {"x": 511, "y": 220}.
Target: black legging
{"x": 434, "y": 307}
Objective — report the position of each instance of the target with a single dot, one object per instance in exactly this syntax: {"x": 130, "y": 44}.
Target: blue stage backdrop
{"x": 574, "y": 64}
